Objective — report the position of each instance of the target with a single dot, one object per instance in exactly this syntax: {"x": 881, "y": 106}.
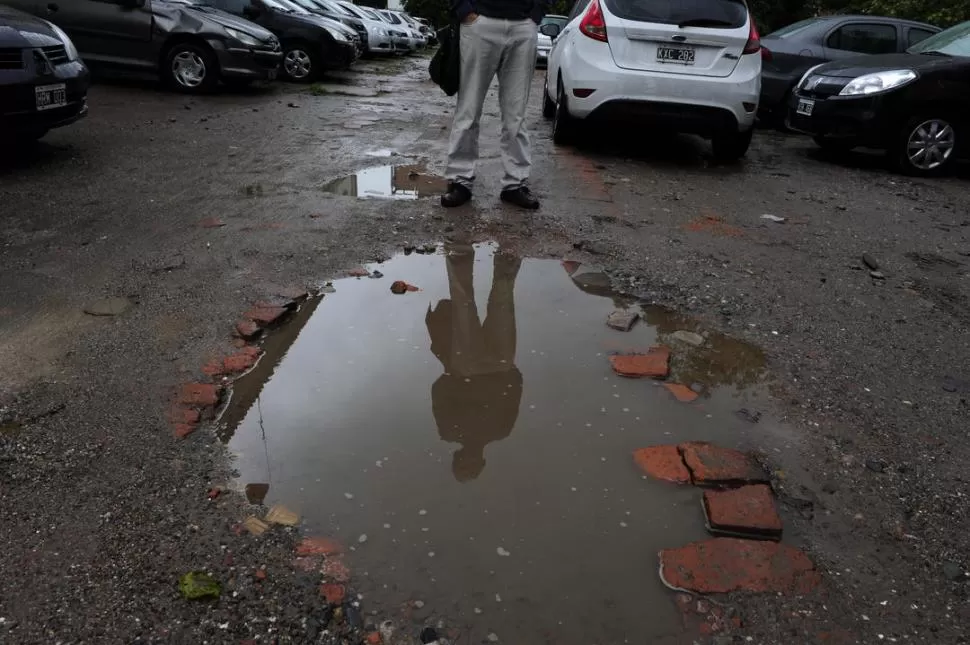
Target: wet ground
{"x": 175, "y": 215}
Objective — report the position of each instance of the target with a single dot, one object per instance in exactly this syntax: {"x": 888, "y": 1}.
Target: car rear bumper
{"x": 670, "y": 99}
{"x": 252, "y": 64}
{"x": 18, "y": 103}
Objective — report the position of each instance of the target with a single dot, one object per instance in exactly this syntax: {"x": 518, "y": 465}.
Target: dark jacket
{"x": 504, "y": 9}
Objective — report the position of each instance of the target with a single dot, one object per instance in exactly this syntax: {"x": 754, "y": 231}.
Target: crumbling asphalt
{"x": 192, "y": 209}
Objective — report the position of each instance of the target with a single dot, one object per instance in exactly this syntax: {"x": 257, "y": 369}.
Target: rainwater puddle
{"x": 474, "y": 432}
{"x": 388, "y": 182}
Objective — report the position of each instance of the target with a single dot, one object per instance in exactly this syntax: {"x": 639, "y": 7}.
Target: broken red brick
{"x": 211, "y": 222}
{"x": 334, "y": 594}
{"x": 662, "y": 462}
{"x": 199, "y": 394}
{"x": 654, "y": 364}
{"x": 400, "y": 286}
{"x": 712, "y": 465}
{"x": 335, "y": 569}
{"x": 681, "y": 392}
{"x": 319, "y": 546}
{"x": 182, "y": 430}
{"x": 214, "y": 493}
{"x": 241, "y": 361}
{"x": 188, "y": 416}
{"x": 748, "y": 511}
{"x": 260, "y": 574}
{"x": 724, "y": 565}
{"x": 359, "y": 272}
{"x": 373, "y": 638}
{"x": 265, "y": 315}
{"x": 247, "y": 329}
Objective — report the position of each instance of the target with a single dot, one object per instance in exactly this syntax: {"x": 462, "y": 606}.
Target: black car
{"x": 915, "y": 105}
{"x": 328, "y": 10}
{"x": 311, "y": 43}
{"x": 787, "y": 53}
{"x": 43, "y": 83}
{"x": 189, "y": 44}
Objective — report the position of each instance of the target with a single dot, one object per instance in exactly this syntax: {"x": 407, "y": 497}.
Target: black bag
{"x": 445, "y": 67}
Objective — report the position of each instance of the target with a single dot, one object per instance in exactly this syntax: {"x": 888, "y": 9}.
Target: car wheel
{"x": 828, "y": 144}
{"x": 548, "y": 105}
{"x": 563, "y": 124}
{"x": 300, "y": 64}
{"x": 926, "y": 145}
{"x": 731, "y": 146}
{"x": 191, "y": 68}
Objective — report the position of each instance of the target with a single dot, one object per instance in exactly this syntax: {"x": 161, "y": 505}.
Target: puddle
{"x": 474, "y": 432}
{"x": 388, "y": 182}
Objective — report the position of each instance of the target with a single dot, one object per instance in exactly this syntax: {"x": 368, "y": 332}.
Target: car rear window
{"x": 724, "y": 14}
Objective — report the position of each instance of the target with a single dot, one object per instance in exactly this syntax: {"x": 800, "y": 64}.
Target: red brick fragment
{"x": 212, "y": 368}
{"x": 265, "y": 315}
{"x": 359, "y": 272}
{"x": 319, "y": 546}
{"x": 373, "y": 638}
{"x": 400, "y": 286}
{"x": 179, "y": 414}
{"x": 260, "y": 574}
{"x": 211, "y": 222}
{"x": 662, "y": 462}
{"x": 199, "y": 394}
{"x": 724, "y": 565}
{"x": 334, "y": 594}
{"x": 214, "y": 493}
{"x": 712, "y": 465}
{"x": 681, "y": 392}
{"x": 748, "y": 511}
{"x": 247, "y": 329}
{"x": 240, "y": 361}
{"x": 182, "y": 430}
{"x": 654, "y": 364}
{"x": 335, "y": 569}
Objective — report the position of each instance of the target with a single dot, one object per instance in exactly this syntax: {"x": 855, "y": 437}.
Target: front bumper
{"x": 18, "y": 102}
{"x": 248, "y": 64}
{"x": 377, "y": 44}
{"x": 402, "y": 44}
{"x": 340, "y": 55}
{"x": 858, "y": 119}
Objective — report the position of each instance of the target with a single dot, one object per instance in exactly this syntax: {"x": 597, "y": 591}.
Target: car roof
{"x": 865, "y": 18}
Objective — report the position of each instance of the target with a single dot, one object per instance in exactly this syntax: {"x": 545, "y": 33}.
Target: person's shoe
{"x": 521, "y": 197}
{"x": 457, "y": 195}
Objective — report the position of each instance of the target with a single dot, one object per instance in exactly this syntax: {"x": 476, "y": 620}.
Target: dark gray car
{"x": 190, "y": 45}
{"x": 791, "y": 51}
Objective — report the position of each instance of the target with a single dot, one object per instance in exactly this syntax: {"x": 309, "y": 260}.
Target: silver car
{"x": 380, "y": 37}
{"x": 545, "y": 42}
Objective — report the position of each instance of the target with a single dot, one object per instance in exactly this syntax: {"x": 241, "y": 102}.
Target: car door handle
{"x": 52, "y": 8}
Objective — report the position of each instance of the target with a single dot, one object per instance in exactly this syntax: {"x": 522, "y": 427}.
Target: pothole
{"x": 474, "y": 432}
{"x": 388, "y": 182}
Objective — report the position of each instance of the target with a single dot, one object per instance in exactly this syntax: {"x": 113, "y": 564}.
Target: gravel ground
{"x": 192, "y": 209}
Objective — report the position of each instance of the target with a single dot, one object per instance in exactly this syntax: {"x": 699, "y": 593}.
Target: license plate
{"x": 48, "y": 97}
{"x": 805, "y": 107}
{"x": 680, "y": 55}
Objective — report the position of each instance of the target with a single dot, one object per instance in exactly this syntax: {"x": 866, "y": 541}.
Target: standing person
{"x": 497, "y": 37}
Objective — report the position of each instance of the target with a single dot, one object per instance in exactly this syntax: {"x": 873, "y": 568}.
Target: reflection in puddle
{"x": 474, "y": 431}
{"x": 388, "y": 182}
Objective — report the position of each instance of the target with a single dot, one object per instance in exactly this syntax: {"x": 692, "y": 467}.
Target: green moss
{"x": 196, "y": 584}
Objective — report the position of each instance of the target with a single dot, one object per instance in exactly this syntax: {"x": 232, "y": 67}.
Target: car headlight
{"x": 243, "y": 37}
{"x": 338, "y": 36}
{"x": 801, "y": 81}
{"x": 69, "y": 47}
{"x": 878, "y": 82}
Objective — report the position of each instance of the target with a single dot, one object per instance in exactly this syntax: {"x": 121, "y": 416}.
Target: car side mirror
{"x": 550, "y": 30}
{"x": 251, "y": 11}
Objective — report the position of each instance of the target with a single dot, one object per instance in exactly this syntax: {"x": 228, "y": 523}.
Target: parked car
{"x": 428, "y": 30}
{"x": 190, "y": 45}
{"x": 310, "y": 42}
{"x": 322, "y": 8}
{"x": 914, "y": 105}
{"x": 689, "y": 67}
{"x": 787, "y": 53}
{"x": 43, "y": 83}
{"x": 415, "y": 40}
{"x": 545, "y": 42}
{"x": 378, "y": 30}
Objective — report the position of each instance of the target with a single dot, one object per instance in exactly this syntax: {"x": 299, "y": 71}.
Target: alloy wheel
{"x": 930, "y": 144}
{"x": 188, "y": 69}
{"x": 297, "y": 64}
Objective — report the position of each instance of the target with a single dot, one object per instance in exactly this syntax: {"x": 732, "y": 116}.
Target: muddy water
{"x": 388, "y": 182}
{"x": 474, "y": 433}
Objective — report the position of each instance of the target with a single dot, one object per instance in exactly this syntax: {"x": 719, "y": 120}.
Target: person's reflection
{"x": 476, "y": 400}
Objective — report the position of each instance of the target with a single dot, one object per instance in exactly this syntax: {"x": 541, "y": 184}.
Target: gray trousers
{"x": 490, "y": 46}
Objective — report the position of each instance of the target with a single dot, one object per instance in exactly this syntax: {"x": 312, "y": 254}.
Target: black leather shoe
{"x": 521, "y": 197}
{"x": 457, "y": 195}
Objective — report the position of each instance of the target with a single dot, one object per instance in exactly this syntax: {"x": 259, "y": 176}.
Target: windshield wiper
{"x": 704, "y": 22}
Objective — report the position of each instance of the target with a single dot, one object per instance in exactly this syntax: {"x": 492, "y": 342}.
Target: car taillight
{"x": 753, "y": 46}
{"x": 593, "y": 23}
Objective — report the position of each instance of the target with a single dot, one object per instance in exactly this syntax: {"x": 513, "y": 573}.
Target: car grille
{"x": 57, "y": 55}
{"x": 11, "y": 58}
{"x": 822, "y": 87}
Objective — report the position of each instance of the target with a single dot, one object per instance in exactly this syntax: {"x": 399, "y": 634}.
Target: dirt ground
{"x": 192, "y": 209}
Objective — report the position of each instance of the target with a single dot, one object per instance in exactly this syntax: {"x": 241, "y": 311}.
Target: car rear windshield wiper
{"x": 705, "y": 22}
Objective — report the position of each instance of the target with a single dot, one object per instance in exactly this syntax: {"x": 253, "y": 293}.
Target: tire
{"x": 835, "y": 146}
{"x": 548, "y": 105}
{"x": 300, "y": 63}
{"x": 190, "y": 68}
{"x": 563, "y": 124}
{"x": 936, "y": 134}
{"x": 731, "y": 146}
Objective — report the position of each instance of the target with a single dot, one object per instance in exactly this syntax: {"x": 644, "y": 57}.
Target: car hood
{"x": 862, "y": 65}
{"x": 21, "y": 30}
{"x": 197, "y": 18}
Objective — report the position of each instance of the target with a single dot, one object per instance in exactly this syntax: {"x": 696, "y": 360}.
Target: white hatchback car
{"x": 690, "y": 66}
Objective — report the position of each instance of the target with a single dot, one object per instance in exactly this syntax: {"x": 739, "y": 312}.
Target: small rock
{"x": 349, "y": 495}
{"x": 953, "y": 571}
{"x": 418, "y": 604}
{"x": 279, "y": 514}
{"x": 362, "y": 538}
{"x": 502, "y": 552}
{"x": 377, "y": 275}
{"x": 255, "y": 525}
{"x": 292, "y": 105}
{"x": 428, "y": 635}
{"x": 108, "y": 307}
{"x": 751, "y": 416}
{"x": 877, "y": 275}
{"x": 870, "y": 262}
{"x": 353, "y": 616}
{"x": 773, "y": 218}
{"x": 400, "y": 286}
{"x": 688, "y": 337}
{"x": 622, "y": 320}
{"x": 830, "y": 488}
{"x": 876, "y": 465}
{"x": 493, "y": 638}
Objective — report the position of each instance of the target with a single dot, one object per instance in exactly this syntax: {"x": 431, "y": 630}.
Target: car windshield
{"x": 954, "y": 41}
{"x": 717, "y": 14}
{"x": 394, "y": 20}
{"x": 339, "y": 8}
{"x": 309, "y": 5}
{"x": 793, "y": 29}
